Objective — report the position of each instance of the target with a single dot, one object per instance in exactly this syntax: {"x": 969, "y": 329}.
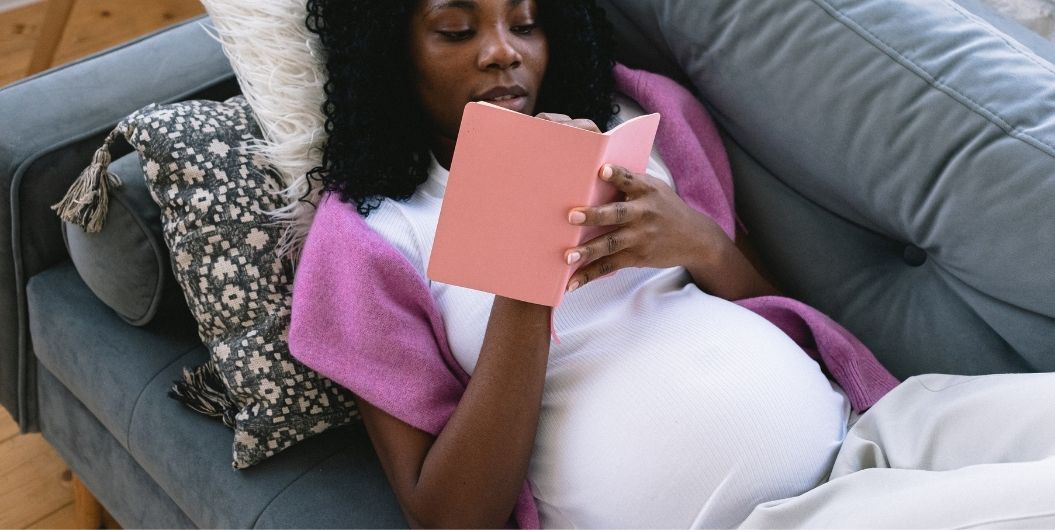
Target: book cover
{"x": 503, "y": 225}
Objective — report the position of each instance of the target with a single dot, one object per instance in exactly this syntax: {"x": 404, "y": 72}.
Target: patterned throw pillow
{"x": 213, "y": 195}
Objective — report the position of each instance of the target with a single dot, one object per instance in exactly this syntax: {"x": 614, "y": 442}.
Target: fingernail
{"x": 573, "y": 257}
{"x": 574, "y": 285}
{"x": 606, "y": 172}
{"x": 577, "y": 218}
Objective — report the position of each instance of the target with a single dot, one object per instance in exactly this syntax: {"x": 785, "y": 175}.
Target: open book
{"x": 503, "y": 225}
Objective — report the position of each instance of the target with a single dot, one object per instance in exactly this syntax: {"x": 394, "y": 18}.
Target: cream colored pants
{"x": 939, "y": 451}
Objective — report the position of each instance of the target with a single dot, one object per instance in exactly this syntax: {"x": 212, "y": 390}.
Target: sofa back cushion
{"x": 895, "y": 161}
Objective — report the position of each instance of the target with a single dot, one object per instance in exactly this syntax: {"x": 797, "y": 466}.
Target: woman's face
{"x": 472, "y": 50}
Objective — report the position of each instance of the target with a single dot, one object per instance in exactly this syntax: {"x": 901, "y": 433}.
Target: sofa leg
{"x": 87, "y": 508}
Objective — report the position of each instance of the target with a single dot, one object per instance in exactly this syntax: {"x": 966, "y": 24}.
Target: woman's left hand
{"x": 654, "y": 228}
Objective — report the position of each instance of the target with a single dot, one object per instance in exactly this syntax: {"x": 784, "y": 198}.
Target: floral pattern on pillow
{"x": 213, "y": 195}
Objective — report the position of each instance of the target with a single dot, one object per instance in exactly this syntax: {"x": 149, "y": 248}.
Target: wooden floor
{"x": 35, "y": 485}
{"x": 94, "y": 25}
{"x": 35, "y": 488}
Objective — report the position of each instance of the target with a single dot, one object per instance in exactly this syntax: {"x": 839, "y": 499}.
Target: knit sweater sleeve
{"x": 363, "y": 317}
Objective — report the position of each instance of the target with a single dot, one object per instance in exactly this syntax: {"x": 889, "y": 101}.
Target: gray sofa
{"x": 894, "y": 162}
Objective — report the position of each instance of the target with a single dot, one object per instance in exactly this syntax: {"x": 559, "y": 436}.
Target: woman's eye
{"x": 524, "y": 29}
{"x": 457, "y": 35}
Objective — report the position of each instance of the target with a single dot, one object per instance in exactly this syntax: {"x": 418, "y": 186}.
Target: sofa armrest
{"x": 52, "y": 123}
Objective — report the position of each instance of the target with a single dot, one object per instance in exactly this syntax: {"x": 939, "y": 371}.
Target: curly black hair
{"x": 365, "y": 42}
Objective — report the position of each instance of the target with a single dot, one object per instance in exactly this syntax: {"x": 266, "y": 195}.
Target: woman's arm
{"x": 472, "y": 473}
{"x": 731, "y": 271}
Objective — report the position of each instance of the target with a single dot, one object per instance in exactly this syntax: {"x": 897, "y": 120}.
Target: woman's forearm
{"x": 728, "y": 274}
{"x": 476, "y": 468}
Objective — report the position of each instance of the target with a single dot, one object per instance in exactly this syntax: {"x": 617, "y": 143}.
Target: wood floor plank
{"x": 33, "y": 492}
{"x": 65, "y": 517}
{"x": 19, "y": 28}
{"x": 18, "y": 34}
{"x": 99, "y": 24}
{"x": 8, "y": 426}
{"x": 31, "y": 481}
{"x": 94, "y": 25}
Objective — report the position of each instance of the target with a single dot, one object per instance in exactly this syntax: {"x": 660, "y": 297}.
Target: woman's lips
{"x": 517, "y": 103}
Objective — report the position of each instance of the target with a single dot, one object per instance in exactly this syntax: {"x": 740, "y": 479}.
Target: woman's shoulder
{"x": 401, "y": 225}
{"x": 336, "y": 219}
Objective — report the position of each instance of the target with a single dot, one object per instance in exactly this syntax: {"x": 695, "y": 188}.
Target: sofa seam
{"x": 988, "y": 27}
{"x": 302, "y": 474}
{"x": 106, "y": 431}
{"x": 919, "y": 71}
{"x": 16, "y": 241}
{"x": 132, "y": 452}
{"x": 139, "y": 396}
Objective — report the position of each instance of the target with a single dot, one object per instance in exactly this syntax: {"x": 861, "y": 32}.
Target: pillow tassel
{"x": 202, "y": 390}
{"x": 86, "y": 201}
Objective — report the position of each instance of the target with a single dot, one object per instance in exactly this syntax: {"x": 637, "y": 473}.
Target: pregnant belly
{"x": 690, "y": 419}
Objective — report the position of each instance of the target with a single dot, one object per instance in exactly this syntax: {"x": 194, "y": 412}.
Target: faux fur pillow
{"x": 280, "y": 68}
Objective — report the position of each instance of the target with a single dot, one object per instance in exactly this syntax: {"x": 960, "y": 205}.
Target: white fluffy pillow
{"x": 281, "y": 70}
{"x": 1037, "y": 15}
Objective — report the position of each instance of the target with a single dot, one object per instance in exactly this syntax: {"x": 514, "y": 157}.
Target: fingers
{"x": 600, "y": 247}
{"x": 584, "y": 123}
{"x": 581, "y": 123}
{"x": 553, "y": 116}
{"x": 632, "y": 184}
{"x": 598, "y": 269}
{"x": 615, "y": 213}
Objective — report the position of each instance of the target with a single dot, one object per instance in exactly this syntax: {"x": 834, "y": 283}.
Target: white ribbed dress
{"x": 663, "y": 406}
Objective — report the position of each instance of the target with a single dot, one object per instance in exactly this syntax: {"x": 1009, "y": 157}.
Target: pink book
{"x": 503, "y": 225}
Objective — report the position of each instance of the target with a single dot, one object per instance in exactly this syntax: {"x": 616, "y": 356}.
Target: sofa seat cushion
{"x": 189, "y": 455}
{"x": 122, "y": 374}
{"x": 105, "y": 362}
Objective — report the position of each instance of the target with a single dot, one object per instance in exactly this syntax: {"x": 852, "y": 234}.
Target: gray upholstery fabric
{"x": 52, "y": 124}
{"x": 120, "y": 484}
{"x": 337, "y": 470}
{"x": 122, "y": 374}
{"x": 126, "y": 264}
{"x": 919, "y": 124}
{"x": 99, "y": 358}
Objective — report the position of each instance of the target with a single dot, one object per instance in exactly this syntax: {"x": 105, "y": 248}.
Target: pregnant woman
{"x": 664, "y": 404}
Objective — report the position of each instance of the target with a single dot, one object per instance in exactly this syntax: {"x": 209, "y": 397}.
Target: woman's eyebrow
{"x": 468, "y": 5}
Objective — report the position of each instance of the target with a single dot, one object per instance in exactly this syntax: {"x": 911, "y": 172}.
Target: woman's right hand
{"x": 473, "y": 472}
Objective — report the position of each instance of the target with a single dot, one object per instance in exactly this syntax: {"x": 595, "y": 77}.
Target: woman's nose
{"x": 498, "y": 51}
